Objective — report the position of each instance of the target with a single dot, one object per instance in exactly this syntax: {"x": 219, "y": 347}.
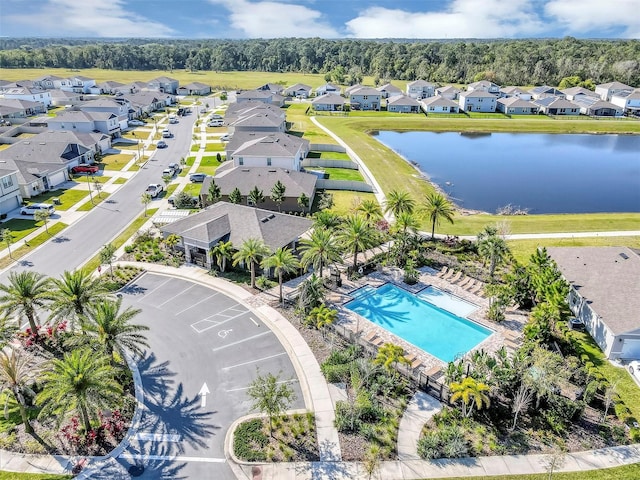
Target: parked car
{"x": 154, "y": 189}
{"x": 216, "y": 122}
{"x": 168, "y": 172}
{"x": 175, "y": 167}
{"x": 166, "y": 133}
{"x": 37, "y": 207}
{"x": 173, "y": 120}
{"x": 162, "y": 144}
{"x": 634, "y": 369}
{"x": 215, "y": 116}
{"x": 136, "y": 123}
{"x": 225, "y": 138}
{"x": 85, "y": 169}
{"x": 197, "y": 177}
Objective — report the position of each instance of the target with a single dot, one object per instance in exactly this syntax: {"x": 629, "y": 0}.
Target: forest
{"x": 506, "y": 62}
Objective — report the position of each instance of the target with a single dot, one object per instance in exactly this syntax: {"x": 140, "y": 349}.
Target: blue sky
{"x": 321, "y": 18}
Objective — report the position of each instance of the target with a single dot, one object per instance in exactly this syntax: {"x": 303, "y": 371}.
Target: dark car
{"x": 197, "y": 177}
{"x": 162, "y": 144}
{"x": 175, "y": 167}
{"x": 85, "y": 169}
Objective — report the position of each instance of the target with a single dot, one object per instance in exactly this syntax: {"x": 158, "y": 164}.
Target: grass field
{"x": 31, "y": 476}
{"x": 345, "y": 202}
{"x": 35, "y": 242}
{"x": 116, "y": 161}
{"x": 67, "y": 198}
{"x": 301, "y": 125}
{"x": 628, "y": 472}
{"x": 343, "y": 174}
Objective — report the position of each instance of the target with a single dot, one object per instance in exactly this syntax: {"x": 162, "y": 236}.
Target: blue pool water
{"x": 428, "y": 327}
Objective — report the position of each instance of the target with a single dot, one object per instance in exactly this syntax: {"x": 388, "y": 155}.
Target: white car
{"x": 37, "y": 207}
{"x": 166, "y": 133}
{"x": 634, "y": 369}
{"x": 136, "y": 123}
{"x": 154, "y": 189}
{"x": 225, "y": 138}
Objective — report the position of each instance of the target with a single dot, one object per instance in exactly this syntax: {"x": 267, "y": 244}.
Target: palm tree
{"x": 145, "y": 199}
{"x": 73, "y": 293}
{"x": 277, "y": 193}
{"x": 492, "y": 247}
{"x": 406, "y": 223}
{"x": 370, "y": 209}
{"x": 438, "y": 208}
{"x": 311, "y": 293}
{"x": 255, "y": 196}
{"x": 389, "y": 355}
{"x": 25, "y": 292}
{"x": 80, "y": 382}
{"x": 214, "y": 192}
{"x": 16, "y": 374}
{"x": 398, "y": 202}
{"x": 471, "y": 393}
{"x": 251, "y": 252}
{"x": 172, "y": 241}
{"x": 7, "y": 237}
{"x": 326, "y": 219}
{"x": 282, "y": 261}
{"x": 320, "y": 249}
{"x": 222, "y": 253}
{"x": 356, "y": 235}
{"x": 322, "y": 316}
{"x": 107, "y": 254}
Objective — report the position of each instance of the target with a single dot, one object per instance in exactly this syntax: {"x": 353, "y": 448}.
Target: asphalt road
{"x": 197, "y": 336}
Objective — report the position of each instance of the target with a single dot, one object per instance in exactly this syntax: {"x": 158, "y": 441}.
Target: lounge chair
{"x": 449, "y": 274}
{"x": 456, "y": 277}
{"x": 443, "y": 271}
{"x": 417, "y": 363}
{"x": 377, "y": 341}
{"x": 471, "y": 285}
{"x": 370, "y": 336}
{"x": 465, "y": 281}
{"x": 475, "y": 290}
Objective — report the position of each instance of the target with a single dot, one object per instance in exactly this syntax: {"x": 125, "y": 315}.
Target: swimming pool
{"x": 419, "y": 322}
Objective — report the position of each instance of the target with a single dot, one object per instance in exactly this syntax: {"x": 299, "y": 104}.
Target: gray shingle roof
{"x": 609, "y": 281}
{"x": 439, "y": 101}
{"x": 329, "y": 99}
{"x": 264, "y": 141}
{"x": 264, "y": 178}
{"x": 403, "y": 100}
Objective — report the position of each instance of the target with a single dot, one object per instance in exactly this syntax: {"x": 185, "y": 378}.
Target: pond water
{"x": 542, "y": 173}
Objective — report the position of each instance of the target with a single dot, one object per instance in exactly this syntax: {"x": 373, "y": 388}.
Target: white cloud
{"x": 265, "y": 19}
{"x": 461, "y": 19}
{"x": 91, "y": 18}
{"x": 596, "y": 16}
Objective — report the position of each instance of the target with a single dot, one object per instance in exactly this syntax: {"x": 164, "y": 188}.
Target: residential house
{"x": 327, "y": 88}
{"x": 194, "y": 88}
{"x": 227, "y": 222}
{"x": 25, "y": 93}
{"x": 352, "y": 88}
{"x": 477, "y": 101}
{"x": 120, "y": 109}
{"x": 508, "y": 92}
{"x": 81, "y": 84}
{"x": 421, "y": 89}
{"x": 573, "y": 92}
{"x": 557, "y": 106}
{"x": 10, "y": 197}
{"x": 594, "y": 107}
{"x": 605, "y": 295}
{"x": 63, "y": 98}
{"x": 608, "y": 90}
{"x": 484, "y": 86}
{"x": 48, "y": 82}
{"x": 245, "y": 179}
{"x": 545, "y": 91}
{"x": 365, "y": 98}
{"x": 111, "y": 88}
{"x": 389, "y": 90}
{"x": 164, "y": 85}
{"x": 10, "y": 114}
{"x": 516, "y": 106}
{"x": 255, "y": 149}
{"x": 24, "y": 108}
{"x": 271, "y": 87}
{"x": 330, "y": 102}
{"x": 143, "y": 103}
{"x": 448, "y": 91}
{"x": 628, "y": 100}
{"x": 235, "y": 111}
{"x": 299, "y": 90}
{"x": 264, "y": 122}
{"x": 261, "y": 96}
{"x": 403, "y": 104}
{"x": 85, "y": 122}
{"x": 439, "y": 104}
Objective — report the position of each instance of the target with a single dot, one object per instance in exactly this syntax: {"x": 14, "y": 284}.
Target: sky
{"x": 235, "y": 19}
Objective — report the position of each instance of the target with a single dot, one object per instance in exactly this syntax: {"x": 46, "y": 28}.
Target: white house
{"x": 605, "y": 295}
{"x": 327, "y": 88}
{"x": 277, "y": 150}
{"x": 120, "y": 109}
{"x": 389, "y": 90}
{"x": 608, "y": 90}
{"x": 10, "y": 197}
{"x": 557, "y": 106}
{"x": 477, "y": 101}
{"x": 508, "y": 92}
{"x": 484, "y": 86}
{"x": 439, "y": 104}
{"x": 628, "y": 100}
{"x": 25, "y": 93}
{"x": 421, "y": 89}
{"x": 299, "y": 90}
{"x": 448, "y": 91}
{"x": 329, "y": 102}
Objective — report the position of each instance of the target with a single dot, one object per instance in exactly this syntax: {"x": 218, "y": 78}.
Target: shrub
{"x": 249, "y": 441}
{"x": 634, "y": 435}
{"x": 429, "y": 446}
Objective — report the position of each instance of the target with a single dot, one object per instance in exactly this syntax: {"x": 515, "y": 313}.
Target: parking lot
{"x": 197, "y": 335}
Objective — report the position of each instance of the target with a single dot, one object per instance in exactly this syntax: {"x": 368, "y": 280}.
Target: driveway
{"x": 197, "y": 335}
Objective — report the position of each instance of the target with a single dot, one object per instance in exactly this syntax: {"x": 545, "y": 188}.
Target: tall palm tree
{"x": 16, "y": 375}
{"x": 25, "y": 292}
{"x": 73, "y": 293}
{"x": 282, "y": 261}
{"x": 471, "y": 393}
{"x": 398, "y": 202}
{"x": 222, "y": 252}
{"x": 251, "y": 252}
{"x": 113, "y": 328}
{"x": 319, "y": 250}
{"x": 356, "y": 235}
{"x": 493, "y": 248}
{"x": 81, "y": 382}
{"x": 311, "y": 293}
{"x": 326, "y": 219}
{"x": 438, "y": 208}
{"x": 371, "y": 210}
{"x": 406, "y": 224}
{"x": 389, "y": 355}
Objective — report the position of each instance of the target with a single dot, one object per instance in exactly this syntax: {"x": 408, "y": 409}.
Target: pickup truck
{"x": 154, "y": 189}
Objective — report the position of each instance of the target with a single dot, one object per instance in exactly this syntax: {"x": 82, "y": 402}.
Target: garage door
{"x": 9, "y": 204}
{"x": 631, "y": 349}
{"x": 56, "y": 179}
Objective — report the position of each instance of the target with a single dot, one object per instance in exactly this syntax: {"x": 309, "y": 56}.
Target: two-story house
{"x": 629, "y": 100}
{"x": 164, "y": 85}
{"x": 389, "y": 90}
{"x": 365, "y": 98}
{"x": 121, "y": 110}
{"x": 484, "y": 86}
{"x": 477, "y": 101}
{"x": 10, "y": 197}
{"x": 448, "y": 91}
{"x": 85, "y": 122}
{"x": 25, "y": 93}
{"x": 421, "y": 89}
{"x": 608, "y": 90}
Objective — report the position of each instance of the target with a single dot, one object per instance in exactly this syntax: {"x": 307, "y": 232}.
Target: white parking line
{"x": 170, "y": 458}
{"x": 241, "y": 341}
{"x": 146, "y": 294}
{"x": 247, "y": 388}
{"x": 213, "y": 322}
{"x": 254, "y": 361}
{"x": 176, "y": 296}
{"x": 197, "y": 303}
{"x": 157, "y": 437}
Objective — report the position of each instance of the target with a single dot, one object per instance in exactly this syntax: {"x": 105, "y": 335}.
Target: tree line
{"x": 516, "y": 62}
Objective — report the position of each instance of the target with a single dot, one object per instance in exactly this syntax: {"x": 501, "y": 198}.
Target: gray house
{"x": 516, "y": 106}
{"x": 10, "y": 197}
{"x": 484, "y": 86}
{"x": 164, "y": 85}
{"x": 364, "y": 98}
{"x": 329, "y": 102}
{"x": 595, "y": 107}
{"x": 227, "y": 222}
{"x": 327, "y": 88}
{"x": 605, "y": 295}
{"x": 557, "y": 106}
{"x": 448, "y": 91}
{"x": 403, "y": 104}
{"x": 194, "y": 88}
{"x": 477, "y": 101}
{"x": 389, "y": 90}
{"x": 299, "y": 90}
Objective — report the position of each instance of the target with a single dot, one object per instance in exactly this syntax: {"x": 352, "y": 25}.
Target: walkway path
{"x": 419, "y": 410}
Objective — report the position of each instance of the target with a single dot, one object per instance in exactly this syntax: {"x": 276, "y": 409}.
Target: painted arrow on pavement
{"x": 204, "y": 391}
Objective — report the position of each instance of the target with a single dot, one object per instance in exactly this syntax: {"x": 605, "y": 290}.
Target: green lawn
{"x": 300, "y": 124}
{"x": 345, "y": 201}
{"x": 523, "y": 249}
{"x": 116, "y": 161}
{"x": 628, "y": 472}
{"x": 214, "y": 147}
{"x": 209, "y": 165}
{"x": 96, "y": 200}
{"x": 193, "y": 189}
{"x": 343, "y": 174}
{"x": 195, "y": 147}
{"x": 67, "y": 198}
{"x": 38, "y": 240}
{"x": 31, "y": 476}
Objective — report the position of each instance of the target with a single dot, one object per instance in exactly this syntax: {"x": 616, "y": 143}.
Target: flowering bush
{"x": 76, "y": 440}
{"x": 44, "y": 335}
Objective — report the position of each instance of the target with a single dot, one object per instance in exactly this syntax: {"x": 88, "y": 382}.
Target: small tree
{"x": 372, "y": 460}
{"x": 255, "y": 196}
{"x": 390, "y": 355}
{"x": 146, "y": 200}
{"x": 171, "y": 241}
{"x": 42, "y": 216}
{"x": 98, "y": 186}
{"x": 235, "y": 196}
{"x": 270, "y": 396}
{"x": 7, "y": 238}
{"x": 303, "y": 201}
{"x": 554, "y": 461}
{"x": 213, "y": 194}
{"x": 107, "y": 255}
{"x": 521, "y": 402}
{"x": 277, "y": 193}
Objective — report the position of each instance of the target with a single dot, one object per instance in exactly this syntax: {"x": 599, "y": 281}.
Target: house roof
{"x": 439, "y": 101}
{"x": 141, "y": 99}
{"x": 594, "y": 103}
{"x": 237, "y": 223}
{"x": 163, "y": 79}
{"x": 251, "y": 107}
{"x": 195, "y": 85}
{"x": 24, "y": 91}
{"x": 64, "y": 94}
{"x": 245, "y": 178}
{"x": 403, "y": 100}
{"x": 614, "y": 86}
{"x": 298, "y": 86}
{"x": 329, "y": 99}
{"x": 19, "y": 103}
{"x": 555, "y": 102}
{"x": 45, "y": 148}
{"x": 389, "y": 87}
{"x": 109, "y": 84}
{"x": 579, "y": 91}
{"x": 628, "y": 94}
{"x": 421, "y": 83}
{"x": 243, "y": 140}
{"x": 482, "y": 83}
{"x": 517, "y": 102}
{"x": 545, "y": 89}
{"x": 364, "y": 91}
{"x": 477, "y": 93}
{"x": 512, "y": 90}
{"x": 328, "y": 87}
{"x": 249, "y": 94}
{"x": 447, "y": 89}
{"x": 257, "y": 120}
{"x": 608, "y": 278}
